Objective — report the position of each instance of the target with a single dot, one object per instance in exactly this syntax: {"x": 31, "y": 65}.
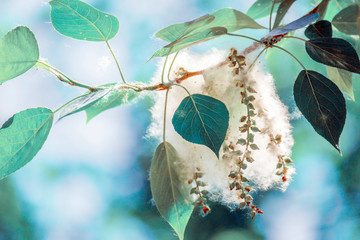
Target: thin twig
{"x": 272, "y": 9}
{"x": 165, "y": 109}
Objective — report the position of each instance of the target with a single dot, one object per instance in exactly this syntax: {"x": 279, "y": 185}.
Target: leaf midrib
{"x": 318, "y": 104}
{"x": 202, "y": 122}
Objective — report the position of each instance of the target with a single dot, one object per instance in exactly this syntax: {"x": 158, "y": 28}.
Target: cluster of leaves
{"x": 23, "y": 135}
{"x": 318, "y": 97}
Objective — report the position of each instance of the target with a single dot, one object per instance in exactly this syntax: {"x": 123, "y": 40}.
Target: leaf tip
{"x": 337, "y": 146}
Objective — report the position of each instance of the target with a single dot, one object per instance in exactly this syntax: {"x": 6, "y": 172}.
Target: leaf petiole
{"x": 163, "y": 70}
{"x": 291, "y": 55}
{"x": 172, "y": 63}
{"x": 271, "y": 12}
{"x": 165, "y": 109}
{"x": 116, "y": 61}
{"x": 243, "y": 36}
{"x": 295, "y": 38}
{"x": 63, "y": 77}
{"x": 257, "y": 57}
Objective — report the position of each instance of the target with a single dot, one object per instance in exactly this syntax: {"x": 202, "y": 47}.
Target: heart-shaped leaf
{"x": 79, "y": 20}
{"x": 219, "y": 23}
{"x": 83, "y": 102}
{"x": 282, "y": 10}
{"x": 319, "y": 30}
{"x": 19, "y": 52}
{"x": 203, "y": 120}
{"x": 168, "y": 190}
{"x": 348, "y": 20}
{"x": 21, "y": 137}
{"x": 342, "y": 79}
{"x": 116, "y": 97}
{"x": 322, "y": 104}
{"x": 334, "y": 52}
{"x": 262, "y": 8}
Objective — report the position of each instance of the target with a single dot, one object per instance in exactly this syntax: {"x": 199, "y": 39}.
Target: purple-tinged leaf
{"x": 297, "y": 24}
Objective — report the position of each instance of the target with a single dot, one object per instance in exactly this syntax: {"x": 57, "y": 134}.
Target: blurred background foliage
{"x": 91, "y": 181}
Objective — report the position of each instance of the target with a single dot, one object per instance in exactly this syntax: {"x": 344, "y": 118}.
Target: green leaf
{"x": 322, "y": 104}
{"x": 79, "y": 20}
{"x": 321, "y": 9}
{"x": 83, "y": 102}
{"x": 191, "y": 40}
{"x": 319, "y": 30}
{"x": 19, "y": 52}
{"x": 262, "y": 8}
{"x": 219, "y": 23}
{"x": 168, "y": 190}
{"x": 334, "y": 52}
{"x": 282, "y": 10}
{"x": 179, "y": 30}
{"x": 203, "y": 120}
{"x": 342, "y": 79}
{"x": 21, "y": 137}
{"x": 116, "y": 97}
{"x": 254, "y": 147}
{"x": 348, "y": 20}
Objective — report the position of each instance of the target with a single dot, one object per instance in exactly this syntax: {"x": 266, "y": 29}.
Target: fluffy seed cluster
{"x": 255, "y": 153}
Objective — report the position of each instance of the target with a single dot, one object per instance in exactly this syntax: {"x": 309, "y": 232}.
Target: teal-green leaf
{"x": 21, "y": 137}
{"x": 116, "y": 97}
{"x": 262, "y": 8}
{"x": 342, "y": 79}
{"x": 203, "y": 120}
{"x": 19, "y": 52}
{"x": 177, "y": 31}
{"x": 83, "y": 102}
{"x": 79, "y": 20}
{"x": 281, "y": 12}
{"x": 207, "y": 27}
{"x": 168, "y": 190}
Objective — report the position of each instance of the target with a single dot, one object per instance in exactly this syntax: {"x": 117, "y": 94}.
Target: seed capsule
{"x": 242, "y": 205}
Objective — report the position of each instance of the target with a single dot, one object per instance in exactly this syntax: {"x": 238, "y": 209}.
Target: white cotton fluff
{"x": 219, "y": 82}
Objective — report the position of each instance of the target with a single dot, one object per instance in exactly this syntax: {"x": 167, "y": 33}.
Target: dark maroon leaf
{"x": 282, "y": 10}
{"x": 319, "y": 29}
{"x": 322, "y": 104}
{"x": 348, "y": 20}
{"x": 334, "y": 52}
